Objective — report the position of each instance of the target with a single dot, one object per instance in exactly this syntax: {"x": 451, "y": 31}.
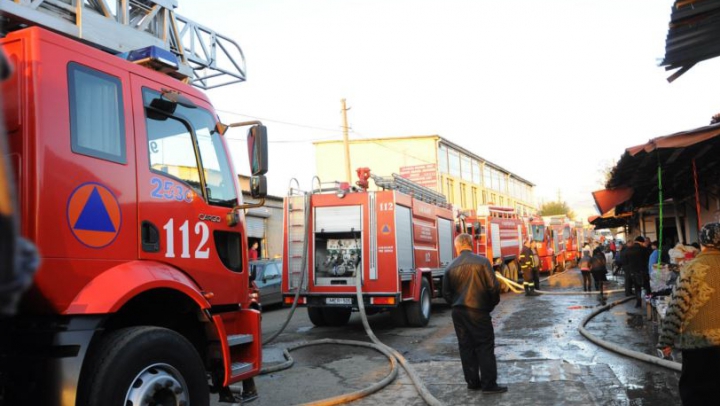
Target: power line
{"x": 280, "y": 121}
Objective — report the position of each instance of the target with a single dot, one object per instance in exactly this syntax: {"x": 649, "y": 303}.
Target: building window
{"x": 484, "y": 197}
{"x": 465, "y": 168}
{"x": 463, "y": 196}
{"x": 97, "y": 123}
{"x": 476, "y": 172}
{"x": 442, "y": 159}
{"x": 454, "y": 162}
{"x": 474, "y": 196}
{"x": 488, "y": 177}
{"x": 450, "y": 192}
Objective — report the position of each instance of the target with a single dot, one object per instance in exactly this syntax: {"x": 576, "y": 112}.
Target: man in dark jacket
{"x": 635, "y": 260}
{"x": 471, "y": 289}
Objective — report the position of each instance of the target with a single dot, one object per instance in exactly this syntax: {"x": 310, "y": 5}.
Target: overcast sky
{"x": 551, "y": 90}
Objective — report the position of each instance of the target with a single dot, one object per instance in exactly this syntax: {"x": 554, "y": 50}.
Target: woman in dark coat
{"x": 598, "y": 269}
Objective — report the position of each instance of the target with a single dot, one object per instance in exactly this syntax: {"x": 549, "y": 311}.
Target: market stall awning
{"x": 678, "y": 140}
{"x": 607, "y": 199}
{"x": 667, "y": 167}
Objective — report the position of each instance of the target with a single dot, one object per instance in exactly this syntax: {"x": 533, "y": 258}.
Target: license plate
{"x": 338, "y": 300}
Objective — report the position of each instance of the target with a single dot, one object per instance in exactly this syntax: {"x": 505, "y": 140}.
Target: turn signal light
{"x": 289, "y": 300}
{"x": 383, "y": 300}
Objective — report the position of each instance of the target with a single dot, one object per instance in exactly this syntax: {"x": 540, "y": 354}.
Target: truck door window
{"x": 173, "y": 151}
{"x": 97, "y": 124}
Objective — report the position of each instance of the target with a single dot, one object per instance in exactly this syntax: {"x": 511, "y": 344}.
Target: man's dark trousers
{"x": 476, "y": 340}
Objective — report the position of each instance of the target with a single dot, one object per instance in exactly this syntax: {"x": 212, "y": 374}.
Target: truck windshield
{"x": 170, "y": 144}
{"x": 538, "y": 233}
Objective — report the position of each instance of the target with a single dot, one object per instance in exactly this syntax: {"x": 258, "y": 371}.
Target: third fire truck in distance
{"x": 498, "y": 233}
{"x": 544, "y": 243}
{"x": 399, "y": 239}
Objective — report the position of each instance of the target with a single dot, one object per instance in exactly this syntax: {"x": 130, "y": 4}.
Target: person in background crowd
{"x": 613, "y": 248}
{"x": 526, "y": 266}
{"x": 620, "y": 263}
{"x": 654, "y": 255}
{"x": 253, "y": 252}
{"x": 692, "y": 317}
{"x": 472, "y": 291}
{"x": 584, "y": 266}
{"x": 598, "y": 269}
{"x": 635, "y": 261}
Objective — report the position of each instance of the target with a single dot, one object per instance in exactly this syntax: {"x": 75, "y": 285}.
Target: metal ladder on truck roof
{"x": 422, "y": 193}
{"x": 206, "y": 58}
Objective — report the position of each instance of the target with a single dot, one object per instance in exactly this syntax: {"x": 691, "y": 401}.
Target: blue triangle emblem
{"x": 386, "y": 229}
{"x": 94, "y": 216}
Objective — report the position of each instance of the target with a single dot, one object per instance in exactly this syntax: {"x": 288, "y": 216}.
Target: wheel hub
{"x": 157, "y": 385}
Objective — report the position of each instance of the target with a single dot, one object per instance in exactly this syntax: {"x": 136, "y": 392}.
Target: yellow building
{"x": 466, "y": 179}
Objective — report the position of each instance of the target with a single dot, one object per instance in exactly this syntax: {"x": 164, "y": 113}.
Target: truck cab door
{"x": 186, "y": 188}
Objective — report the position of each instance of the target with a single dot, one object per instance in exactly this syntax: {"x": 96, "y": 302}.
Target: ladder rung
{"x": 239, "y": 339}
{"x": 238, "y": 368}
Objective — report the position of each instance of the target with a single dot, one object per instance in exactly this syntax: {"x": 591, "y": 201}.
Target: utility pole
{"x": 346, "y": 142}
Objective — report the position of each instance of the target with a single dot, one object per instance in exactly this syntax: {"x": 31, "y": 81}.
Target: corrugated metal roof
{"x": 693, "y": 35}
{"x": 638, "y": 168}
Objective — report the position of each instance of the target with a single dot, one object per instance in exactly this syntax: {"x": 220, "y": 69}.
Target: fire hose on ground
{"x": 675, "y": 366}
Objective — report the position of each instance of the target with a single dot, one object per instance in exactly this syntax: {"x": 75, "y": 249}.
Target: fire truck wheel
{"x": 398, "y": 316}
{"x": 418, "y": 313}
{"x": 504, "y": 272}
{"x": 144, "y": 365}
{"x": 337, "y": 316}
{"x": 513, "y": 271}
{"x": 316, "y": 316}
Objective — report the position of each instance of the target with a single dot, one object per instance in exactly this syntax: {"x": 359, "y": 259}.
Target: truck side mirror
{"x": 258, "y": 150}
{"x": 258, "y": 186}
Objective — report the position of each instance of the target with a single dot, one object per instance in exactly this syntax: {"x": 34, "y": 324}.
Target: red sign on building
{"x": 425, "y": 175}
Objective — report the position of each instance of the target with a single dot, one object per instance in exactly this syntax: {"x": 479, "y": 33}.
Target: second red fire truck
{"x": 398, "y": 239}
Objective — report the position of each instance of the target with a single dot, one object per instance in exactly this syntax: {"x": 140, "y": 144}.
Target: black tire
{"x": 398, "y": 316}
{"x": 418, "y": 313}
{"x": 126, "y": 365}
{"x": 336, "y": 316}
{"x": 316, "y": 316}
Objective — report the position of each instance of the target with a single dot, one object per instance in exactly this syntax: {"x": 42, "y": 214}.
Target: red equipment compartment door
{"x": 186, "y": 188}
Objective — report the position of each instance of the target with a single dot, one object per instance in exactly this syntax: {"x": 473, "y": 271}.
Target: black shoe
{"x": 495, "y": 389}
{"x": 474, "y": 387}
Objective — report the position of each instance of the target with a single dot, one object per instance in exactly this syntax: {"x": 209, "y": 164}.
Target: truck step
{"x": 238, "y": 368}
{"x": 239, "y": 339}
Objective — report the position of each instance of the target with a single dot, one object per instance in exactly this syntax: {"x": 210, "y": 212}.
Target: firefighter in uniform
{"x": 526, "y": 266}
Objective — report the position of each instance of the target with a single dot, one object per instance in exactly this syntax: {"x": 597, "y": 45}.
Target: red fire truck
{"x": 498, "y": 233}
{"x": 544, "y": 243}
{"x": 573, "y": 245}
{"x": 126, "y": 187}
{"x": 399, "y": 239}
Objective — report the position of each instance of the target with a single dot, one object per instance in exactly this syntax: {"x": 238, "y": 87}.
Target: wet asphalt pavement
{"x": 541, "y": 356}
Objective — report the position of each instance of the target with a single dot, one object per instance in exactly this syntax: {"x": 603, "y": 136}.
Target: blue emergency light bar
{"x": 153, "y": 57}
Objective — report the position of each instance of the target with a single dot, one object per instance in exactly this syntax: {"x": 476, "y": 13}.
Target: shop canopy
{"x": 689, "y": 167}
